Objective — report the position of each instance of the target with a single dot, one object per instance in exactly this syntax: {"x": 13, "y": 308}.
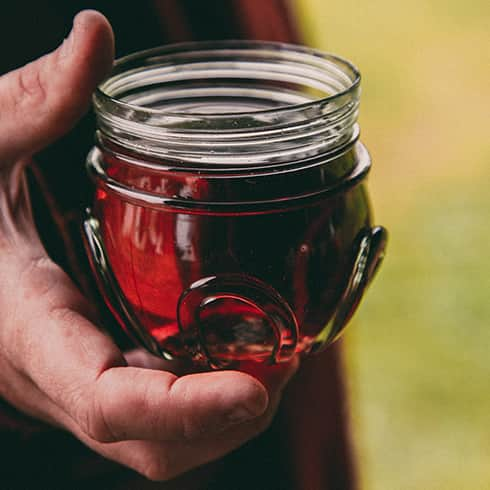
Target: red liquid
{"x": 305, "y": 253}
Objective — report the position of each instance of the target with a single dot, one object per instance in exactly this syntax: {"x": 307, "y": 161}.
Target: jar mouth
{"x": 255, "y": 102}
{"x": 110, "y": 90}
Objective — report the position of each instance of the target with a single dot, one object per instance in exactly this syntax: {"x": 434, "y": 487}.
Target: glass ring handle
{"x": 110, "y": 289}
{"x": 267, "y": 312}
{"x": 369, "y": 252}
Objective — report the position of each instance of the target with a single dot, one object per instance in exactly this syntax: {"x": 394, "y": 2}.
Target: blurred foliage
{"x": 419, "y": 349}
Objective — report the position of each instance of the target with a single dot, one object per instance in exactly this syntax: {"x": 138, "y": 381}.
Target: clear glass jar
{"x": 231, "y": 219}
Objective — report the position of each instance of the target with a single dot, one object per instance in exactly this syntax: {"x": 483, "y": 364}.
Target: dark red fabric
{"x": 307, "y": 446}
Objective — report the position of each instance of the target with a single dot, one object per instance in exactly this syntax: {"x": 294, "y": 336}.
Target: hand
{"x": 55, "y": 364}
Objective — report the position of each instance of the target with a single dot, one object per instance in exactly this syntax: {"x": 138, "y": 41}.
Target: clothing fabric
{"x": 307, "y": 446}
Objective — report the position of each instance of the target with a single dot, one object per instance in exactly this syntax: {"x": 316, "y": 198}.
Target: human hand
{"x": 55, "y": 364}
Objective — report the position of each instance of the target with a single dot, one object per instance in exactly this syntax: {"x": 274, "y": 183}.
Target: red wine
{"x": 302, "y": 251}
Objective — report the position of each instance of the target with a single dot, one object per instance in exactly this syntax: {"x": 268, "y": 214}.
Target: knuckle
{"x": 47, "y": 282}
{"x": 29, "y": 86}
{"x": 21, "y": 308}
{"x": 188, "y": 427}
{"x": 91, "y": 419}
{"x": 41, "y": 275}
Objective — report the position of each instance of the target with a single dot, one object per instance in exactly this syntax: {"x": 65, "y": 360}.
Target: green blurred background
{"x": 418, "y": 355}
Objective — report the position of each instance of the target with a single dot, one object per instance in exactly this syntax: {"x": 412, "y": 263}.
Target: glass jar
{"x": 231, "y": 220}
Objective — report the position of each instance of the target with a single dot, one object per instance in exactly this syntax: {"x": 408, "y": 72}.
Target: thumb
{"x": 44, "y": 99}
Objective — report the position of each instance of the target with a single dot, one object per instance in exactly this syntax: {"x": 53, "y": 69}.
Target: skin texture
{"x": 55, "y": 363}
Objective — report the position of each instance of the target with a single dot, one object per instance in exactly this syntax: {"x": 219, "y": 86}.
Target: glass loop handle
{"x": 369, "y": 253}
{"x": 110, "y": 289}
{"x": 265, "y": 327}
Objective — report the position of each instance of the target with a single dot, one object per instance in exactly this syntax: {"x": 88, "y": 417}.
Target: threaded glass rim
{"x": 313, "y": 100}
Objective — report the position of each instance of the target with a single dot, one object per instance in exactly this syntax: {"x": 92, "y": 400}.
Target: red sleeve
{"x": 314, "y": 413}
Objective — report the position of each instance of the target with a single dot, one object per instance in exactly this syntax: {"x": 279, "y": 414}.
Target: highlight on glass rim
{"x": 196, "y": 200}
